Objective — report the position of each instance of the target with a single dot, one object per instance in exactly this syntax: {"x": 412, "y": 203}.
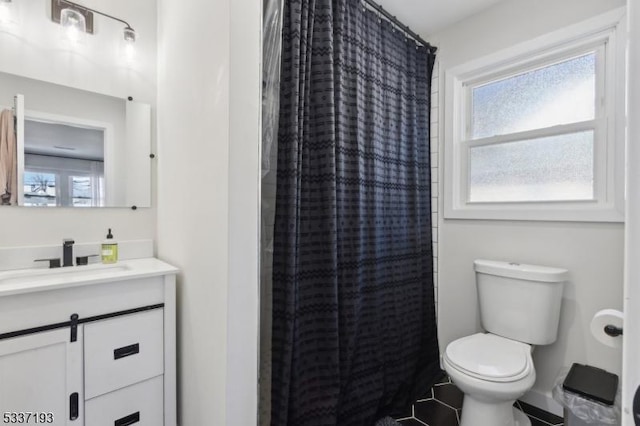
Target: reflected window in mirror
{"x": 64, "y": 165}
{"x": 62, "y": 189}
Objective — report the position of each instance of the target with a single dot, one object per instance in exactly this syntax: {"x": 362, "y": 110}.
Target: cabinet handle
{"x": 128, "y": 420}
{"x": 73, "y": 323}
{"x": 73, "y": 406}
{"x": 126, "y": 351}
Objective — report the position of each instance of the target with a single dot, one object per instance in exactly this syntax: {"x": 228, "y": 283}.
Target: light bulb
{"x": 74, "y": 24}
{"x": 130, "y": 35}
{"x": 5, "y": 11}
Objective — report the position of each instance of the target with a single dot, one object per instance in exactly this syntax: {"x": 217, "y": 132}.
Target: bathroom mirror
{"x": 82, "y": 102}
{"x": 78, "y": 148}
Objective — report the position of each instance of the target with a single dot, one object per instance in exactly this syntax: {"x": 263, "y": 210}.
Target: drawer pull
{"x": 128, "y": 420}
{"x": 74, "y": 406}
{"x": 126, "y": 351}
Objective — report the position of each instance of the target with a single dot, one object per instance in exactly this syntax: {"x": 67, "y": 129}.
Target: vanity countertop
{"x": 33, "y": 280}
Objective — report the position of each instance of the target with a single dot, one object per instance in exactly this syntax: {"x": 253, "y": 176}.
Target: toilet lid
{"x": 490, "y": 357}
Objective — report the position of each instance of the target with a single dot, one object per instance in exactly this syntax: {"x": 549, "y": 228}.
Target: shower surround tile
{"x": 435, "y": 152}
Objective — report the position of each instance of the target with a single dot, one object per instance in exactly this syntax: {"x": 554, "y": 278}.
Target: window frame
{"x": 602, "y": 34}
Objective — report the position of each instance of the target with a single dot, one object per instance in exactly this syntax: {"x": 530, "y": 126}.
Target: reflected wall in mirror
{"x": 77, "y": 148}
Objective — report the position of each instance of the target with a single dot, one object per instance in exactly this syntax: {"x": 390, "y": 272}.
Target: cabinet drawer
{"x": 137, "y": 405}
{"x": 122, "y": 351}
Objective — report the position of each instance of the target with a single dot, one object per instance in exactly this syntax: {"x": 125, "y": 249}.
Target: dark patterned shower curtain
{"x": 354, "y": 331}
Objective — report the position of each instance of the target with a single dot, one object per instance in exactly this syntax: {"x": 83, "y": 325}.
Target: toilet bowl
{"x": 492, "y": 372}
{"x": 519, "y": 307}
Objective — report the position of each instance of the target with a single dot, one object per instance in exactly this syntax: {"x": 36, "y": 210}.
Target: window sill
{"x": 539, "y": 212}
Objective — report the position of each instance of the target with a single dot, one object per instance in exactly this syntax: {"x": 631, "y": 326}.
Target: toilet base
{"x": 520, "y": 418}
{"x": 481, "y": 413}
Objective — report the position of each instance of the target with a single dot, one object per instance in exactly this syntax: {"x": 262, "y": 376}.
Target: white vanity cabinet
{"x": 90, "y": 349}
{"x": 40, "y": 373}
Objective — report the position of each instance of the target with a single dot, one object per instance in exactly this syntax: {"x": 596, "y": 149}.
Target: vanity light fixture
{"x": 71, "y": 15}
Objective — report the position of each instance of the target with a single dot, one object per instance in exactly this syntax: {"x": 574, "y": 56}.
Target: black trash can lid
{"x": 592, "y": 383}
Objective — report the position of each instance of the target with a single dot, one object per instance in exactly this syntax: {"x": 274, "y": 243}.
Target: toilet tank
{"x": 519, "y": 301}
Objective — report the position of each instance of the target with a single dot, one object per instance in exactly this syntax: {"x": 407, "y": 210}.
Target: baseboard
{"x": 542, "y": 400}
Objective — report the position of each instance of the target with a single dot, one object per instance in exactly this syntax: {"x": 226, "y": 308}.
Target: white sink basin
{"x": 20, "y": 281}
{"x": 71, "y": 273}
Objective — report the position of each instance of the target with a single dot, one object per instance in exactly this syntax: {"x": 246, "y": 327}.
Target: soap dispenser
{"x": 109, "y": 249}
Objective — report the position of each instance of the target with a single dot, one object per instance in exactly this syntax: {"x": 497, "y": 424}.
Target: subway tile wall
{"x": 435, "y": 84}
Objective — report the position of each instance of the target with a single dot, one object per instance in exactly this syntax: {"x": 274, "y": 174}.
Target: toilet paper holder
{"x": 612, "y": 330}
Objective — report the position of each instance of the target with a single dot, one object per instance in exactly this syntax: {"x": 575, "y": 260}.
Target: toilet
{"x": 519, "y": 308}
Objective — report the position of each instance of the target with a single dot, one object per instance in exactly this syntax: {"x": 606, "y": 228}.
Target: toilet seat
{"x": 490, "y": 357}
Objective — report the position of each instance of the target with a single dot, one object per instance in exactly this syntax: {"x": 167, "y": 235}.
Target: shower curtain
{"x": 354, "y": 332}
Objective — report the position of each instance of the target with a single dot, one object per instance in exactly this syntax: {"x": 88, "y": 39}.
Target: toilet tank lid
{"x": 521, "y": 271}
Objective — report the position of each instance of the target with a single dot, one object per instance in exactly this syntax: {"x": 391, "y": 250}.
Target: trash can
{"x": 589, "y": 396}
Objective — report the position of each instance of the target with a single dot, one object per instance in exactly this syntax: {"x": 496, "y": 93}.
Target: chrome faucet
{"x": 67, "y": 252}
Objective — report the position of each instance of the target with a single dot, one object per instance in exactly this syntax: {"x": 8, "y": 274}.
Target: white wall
{"x": 244, "y": 212}
{"x": 208, "y": 200}
{"x": 33, "y": 47}
{"x": 631, "y": 378}
{"x": 593, "y": 252}
{"x": 193, "y": 191}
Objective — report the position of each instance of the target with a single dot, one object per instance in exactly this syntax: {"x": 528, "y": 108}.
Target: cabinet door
{"x": 42, "y": 373}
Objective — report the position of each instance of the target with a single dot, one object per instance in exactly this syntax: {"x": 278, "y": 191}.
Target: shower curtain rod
{"x": 400, "y": 25}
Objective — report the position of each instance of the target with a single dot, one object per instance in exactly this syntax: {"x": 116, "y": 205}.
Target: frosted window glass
{"x": 556, "y": 168}
{"x": 557, "y": 94}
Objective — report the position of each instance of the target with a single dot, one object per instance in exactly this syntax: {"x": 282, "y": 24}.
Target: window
{"x": 537, "y": 132}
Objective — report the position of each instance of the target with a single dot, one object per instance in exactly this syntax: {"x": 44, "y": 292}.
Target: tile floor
{"x": 442, "y": 406}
